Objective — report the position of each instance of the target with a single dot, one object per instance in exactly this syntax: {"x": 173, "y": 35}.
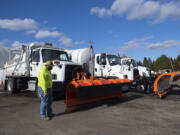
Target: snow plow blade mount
{"x": 165, "y": 82}
{"x": 83, "y": 91}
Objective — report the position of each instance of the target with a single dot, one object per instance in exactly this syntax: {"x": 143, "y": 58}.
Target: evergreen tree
{"x": 149, "y": 62}
{"x": 175, "y": 64}
{"x": 178, "y": 63}
{"x": 145, "y": 62}
{"x": 139, "y": 63}
{"x": 153, "y": 65}
{"x": 162, "y": 63}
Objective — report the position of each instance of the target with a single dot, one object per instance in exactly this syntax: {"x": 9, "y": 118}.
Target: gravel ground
{"x": 134, "y": 114}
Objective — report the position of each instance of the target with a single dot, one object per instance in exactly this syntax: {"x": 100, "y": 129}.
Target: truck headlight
{"x": 56, "y": 62}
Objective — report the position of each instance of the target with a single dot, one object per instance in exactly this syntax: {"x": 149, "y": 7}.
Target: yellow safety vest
{"x": 44, "y": 79}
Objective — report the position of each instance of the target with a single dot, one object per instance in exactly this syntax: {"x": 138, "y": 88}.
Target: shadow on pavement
{"x": 29, "y": 94}
{"x": 107, "y": 102}
{"x": 174, "y": 92}
{"x": 60, "y": 114}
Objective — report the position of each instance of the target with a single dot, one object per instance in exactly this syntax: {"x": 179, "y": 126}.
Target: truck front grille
{"x": 71, "y": 71}
{"x": 54, "y": 76}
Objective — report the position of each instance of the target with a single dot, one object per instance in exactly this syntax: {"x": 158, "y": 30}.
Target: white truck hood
{"x": 119, "y": 68}
{"x": 143, "y": 71}
{"x": 121, "y": 71}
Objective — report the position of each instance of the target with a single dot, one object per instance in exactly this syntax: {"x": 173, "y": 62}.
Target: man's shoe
{"x": 45, "y": 118}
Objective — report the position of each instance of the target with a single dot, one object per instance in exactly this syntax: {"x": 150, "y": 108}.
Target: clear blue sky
{"x": 136, "y": 28}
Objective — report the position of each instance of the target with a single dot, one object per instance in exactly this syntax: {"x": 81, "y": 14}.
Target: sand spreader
{"x": 165, "y": 82}
{"x": 83, "y": 91}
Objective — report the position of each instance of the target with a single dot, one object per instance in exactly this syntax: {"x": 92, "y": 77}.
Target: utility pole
{"x": 90, "y": 43}
{"x": 170, "y": 59}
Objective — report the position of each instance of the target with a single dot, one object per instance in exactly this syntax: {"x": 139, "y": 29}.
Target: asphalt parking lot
{"x": 134, "y": 114}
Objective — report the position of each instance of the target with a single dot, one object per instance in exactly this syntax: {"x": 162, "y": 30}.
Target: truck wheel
{"x": 11, "y": 86}
{"x": 150, "y": 88}
{"x": 140, "y": 88}
{"x": 19, "y": 85}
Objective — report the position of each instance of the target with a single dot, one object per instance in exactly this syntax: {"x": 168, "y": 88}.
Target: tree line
{"x": 161, "y": 63}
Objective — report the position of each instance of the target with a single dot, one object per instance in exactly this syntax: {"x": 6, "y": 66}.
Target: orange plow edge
{"x": 164, "y": 83}
{"x": 85, "y": 91}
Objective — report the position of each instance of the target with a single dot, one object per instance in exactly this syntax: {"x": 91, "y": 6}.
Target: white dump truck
{"x": 21, "y": 72}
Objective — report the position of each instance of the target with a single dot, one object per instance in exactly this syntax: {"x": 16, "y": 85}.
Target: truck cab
{"x": 143, "y": 71}
{"x": 109, "y": 65}
{"x": 22, "y": 72}
{"x": 58, "y": 57}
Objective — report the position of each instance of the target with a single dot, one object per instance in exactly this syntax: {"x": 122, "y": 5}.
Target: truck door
{"x": 97, "y": 70}
{"x": 35, "y": 63}
{"x": 104, "y": 66}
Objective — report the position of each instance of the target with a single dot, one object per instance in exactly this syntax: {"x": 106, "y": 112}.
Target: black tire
{"x": 19, "y": 84}
{"x": 149, "y": 89}
{"x": 11, "y": 86}
{"x": 140, "y": 88}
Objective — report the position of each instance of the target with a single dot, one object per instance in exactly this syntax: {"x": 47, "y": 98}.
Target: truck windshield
{"x": 48, "y": 54}
{"x": 129, "y": 62}
{"x": 113, "y": 60}
{"x": 133, "y": 62}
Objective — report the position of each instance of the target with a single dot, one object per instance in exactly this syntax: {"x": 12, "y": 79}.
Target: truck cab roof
{"x": 35, "y": 46}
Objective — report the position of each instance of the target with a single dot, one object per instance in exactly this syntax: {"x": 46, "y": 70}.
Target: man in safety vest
{"x": 45, "y": 90}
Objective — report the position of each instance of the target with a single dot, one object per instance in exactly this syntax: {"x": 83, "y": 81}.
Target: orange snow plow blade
{"x": 83, "y": 91}
{"x": 165, "y": 82}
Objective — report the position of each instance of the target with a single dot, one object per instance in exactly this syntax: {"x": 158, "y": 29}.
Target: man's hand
{"x": 45, "y": 94}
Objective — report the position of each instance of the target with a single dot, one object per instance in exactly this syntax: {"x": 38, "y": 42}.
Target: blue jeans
{"x": 46, "y": 103}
